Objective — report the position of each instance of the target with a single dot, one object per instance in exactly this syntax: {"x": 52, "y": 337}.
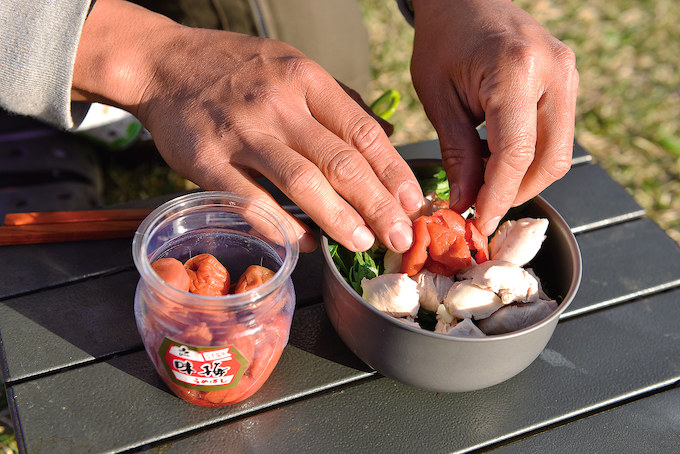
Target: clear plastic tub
{"x": 215, "y": 350}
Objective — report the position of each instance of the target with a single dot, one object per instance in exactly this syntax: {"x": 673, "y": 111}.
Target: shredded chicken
{"x": 518, "y": 241}
{"x": 509, "y": 281}
{"x": 432, "y": 289}
{"x": 517, "y": 316}
{"x": 392, "y": 262}
{"x": 464, "y": 328}
{"x": 467, "y": 300}
{"x": 395, "y": 294}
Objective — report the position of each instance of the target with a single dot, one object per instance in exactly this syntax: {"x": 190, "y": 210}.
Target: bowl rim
{"x": 574, "y": 253}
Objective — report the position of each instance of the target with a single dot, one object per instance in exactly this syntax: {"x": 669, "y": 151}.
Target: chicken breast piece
{"x": 392, "y": 262}
{"x": 394, "y": 294}
{"x": 464, "y": 328}
{"x": 518, "y": 241}
{"x": 432, "y": 289}
{"x": 517, "y": 316}
{"x": 509, "y": 281}
{"x": 467, "y": 300}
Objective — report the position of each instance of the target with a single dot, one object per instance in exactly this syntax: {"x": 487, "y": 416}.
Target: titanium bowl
{"x": 442, "y": 363}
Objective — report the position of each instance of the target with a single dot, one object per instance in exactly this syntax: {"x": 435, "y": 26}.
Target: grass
{"x": 627, "y": 108}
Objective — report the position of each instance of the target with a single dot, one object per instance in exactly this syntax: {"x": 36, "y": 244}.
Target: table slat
{"x": 624, "y": 262}
{"x": 588, "y": 198}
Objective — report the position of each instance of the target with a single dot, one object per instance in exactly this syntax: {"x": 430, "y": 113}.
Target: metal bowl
{"x": 442, "y": 363}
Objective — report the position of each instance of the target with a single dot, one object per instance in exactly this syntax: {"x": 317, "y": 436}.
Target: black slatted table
{"x": 78, "y": 378}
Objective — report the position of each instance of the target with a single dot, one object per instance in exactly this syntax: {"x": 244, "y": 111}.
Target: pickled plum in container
{"x": 215, "y": 299}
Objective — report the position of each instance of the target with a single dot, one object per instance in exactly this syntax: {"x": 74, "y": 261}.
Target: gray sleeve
{"x": 406, "y": 8}
{"x": 38, "y": 43}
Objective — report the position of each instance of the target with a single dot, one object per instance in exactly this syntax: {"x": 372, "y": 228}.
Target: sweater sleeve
{"x": 38, "y": 44}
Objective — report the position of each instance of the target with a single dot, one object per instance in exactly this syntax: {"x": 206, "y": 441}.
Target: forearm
{"x": 119, "y": 50}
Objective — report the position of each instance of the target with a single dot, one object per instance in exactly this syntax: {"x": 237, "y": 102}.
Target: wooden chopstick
{"x": 66, "y": 231}
{"x": 60, "y": 226}
{"x": 59, "y": 217}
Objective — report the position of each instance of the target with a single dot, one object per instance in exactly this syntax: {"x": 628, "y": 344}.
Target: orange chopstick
{"x": 67, "y": 231}
{"x": 59, "y": 217}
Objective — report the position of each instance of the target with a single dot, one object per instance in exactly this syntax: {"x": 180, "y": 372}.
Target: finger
{"x": 355, "y": 180}
{"x": 346, "y": 119}
{"x": 555, "y": 137}
{"x": 511, "y": 135}
{"x": 238, "y": 181}
{"x": 304, "y": 183}
{"x": 384, "y": 124}
{"x": 462, "y": 151}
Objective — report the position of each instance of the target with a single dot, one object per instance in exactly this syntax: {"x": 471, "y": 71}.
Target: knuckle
{"x": 525, "y": 54}
{"x": 559, "y": 167}
{"x": 344, "y": 167}
{"x": 565, "y": 57}
{"x": 500, "y": 198}
{"x": 296, "y": 67}
{"x": 303, "y": 179}
{"x": 519, "y": 153}
{"x": 381, "y": 209}
{"x": 366, "y": 134}
{"x": 453, "y": 157}
{"x": 392, "y": 170}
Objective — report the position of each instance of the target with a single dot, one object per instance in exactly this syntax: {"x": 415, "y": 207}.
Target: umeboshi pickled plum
{"x": 199, "y": 335}
{"x": 172, "y": 272}
{"x": 253, "y": 276}
{"x": 207, "y": 276}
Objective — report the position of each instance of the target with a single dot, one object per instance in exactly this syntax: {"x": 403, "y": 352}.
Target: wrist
{"x": 118, "y": 53}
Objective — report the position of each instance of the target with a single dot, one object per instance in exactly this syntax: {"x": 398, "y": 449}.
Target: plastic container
{"x": 215, "y": 350}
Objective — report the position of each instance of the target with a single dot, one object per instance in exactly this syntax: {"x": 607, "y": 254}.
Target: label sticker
{"x": 202, "y": 368}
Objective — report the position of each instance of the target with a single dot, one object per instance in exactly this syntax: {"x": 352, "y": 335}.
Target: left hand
{"x": 476, "y": 60}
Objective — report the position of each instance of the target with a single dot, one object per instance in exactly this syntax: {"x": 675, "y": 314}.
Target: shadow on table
{"x": 313, "y": 332}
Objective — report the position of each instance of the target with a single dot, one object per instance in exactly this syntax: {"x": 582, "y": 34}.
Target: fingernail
{"x": 307, "y": 242}
{"x": 454, "y": 195}
{"x": 410, "y": 196}
{"x": 362, "y": 238}
{"x": 401, "y": 236}
{"x": 490, "y": 226}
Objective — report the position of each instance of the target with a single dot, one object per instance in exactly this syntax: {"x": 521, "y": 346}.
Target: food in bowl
{"x": 453, "y": 275}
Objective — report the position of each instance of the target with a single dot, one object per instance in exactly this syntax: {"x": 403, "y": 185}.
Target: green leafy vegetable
{"x": 354, "y": 266}
{"x": 438, "y": 184}
{"x": 426, "y": 319}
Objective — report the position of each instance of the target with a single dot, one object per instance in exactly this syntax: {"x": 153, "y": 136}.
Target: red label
{"x": 202, "y": 368}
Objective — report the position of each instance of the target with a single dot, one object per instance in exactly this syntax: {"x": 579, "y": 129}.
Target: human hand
{"x": 476, "y": 60}
{"x": 223, "y": 106}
